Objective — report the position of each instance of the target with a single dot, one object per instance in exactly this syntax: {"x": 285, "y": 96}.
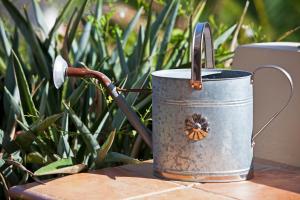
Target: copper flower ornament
{"x": 196, "y": 127}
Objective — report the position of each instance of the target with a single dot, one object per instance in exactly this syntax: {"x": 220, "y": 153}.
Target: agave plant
{"x": 79, "y": 127}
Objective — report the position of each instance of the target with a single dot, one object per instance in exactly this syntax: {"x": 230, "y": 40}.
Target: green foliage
{"x": 53, "y": 131}
{"x": 62, "y": 166}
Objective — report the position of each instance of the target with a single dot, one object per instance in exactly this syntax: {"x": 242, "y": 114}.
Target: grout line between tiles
{"x": 159, "y": 192}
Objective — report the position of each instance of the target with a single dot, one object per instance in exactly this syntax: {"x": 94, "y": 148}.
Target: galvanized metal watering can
{"x": 202, "y": 118}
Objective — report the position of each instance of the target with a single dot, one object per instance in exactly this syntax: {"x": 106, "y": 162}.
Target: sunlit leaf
{"x": 83, "y": 42}
{"x": 102, "y": 152}
{"x": 4, "y": 41}
{"x": 101, "y": 125}
{"x": 39, "y": 16}
{"x": 44, "y": 100}
{"x": 63, "y": 166}
{"x": 36, "y": 158}
{"x": 14, "y": 106}
{"x": 1, "y": 139}
{"x": 131, "y": 26}
{"x": 222, "y": 38}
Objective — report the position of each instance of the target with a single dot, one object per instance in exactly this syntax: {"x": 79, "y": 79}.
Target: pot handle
{"x": 288, "y": 76}
{"x": 202, "y": 34}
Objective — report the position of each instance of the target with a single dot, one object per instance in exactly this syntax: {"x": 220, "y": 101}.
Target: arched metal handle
{"x": 288, "y": 76}
{"x": 202, "y": 34}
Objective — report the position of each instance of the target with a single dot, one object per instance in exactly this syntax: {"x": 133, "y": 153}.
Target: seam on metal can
{"x": 204, "y": 103}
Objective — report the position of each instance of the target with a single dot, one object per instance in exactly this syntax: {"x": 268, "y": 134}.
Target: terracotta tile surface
{"x": 185, "y": 193}
{"x": 114, "y": 183}
{"x": 272, "y": 181}
{"x": 269, "y": 182}
{"x": 145, "y": 170}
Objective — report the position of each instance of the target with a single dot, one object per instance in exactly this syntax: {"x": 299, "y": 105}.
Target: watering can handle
{"x": 202, "y": 34}
{"x": 288, "y": 76}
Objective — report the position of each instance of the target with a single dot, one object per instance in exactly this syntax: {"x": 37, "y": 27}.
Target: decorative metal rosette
{"x": 196, "y": 127}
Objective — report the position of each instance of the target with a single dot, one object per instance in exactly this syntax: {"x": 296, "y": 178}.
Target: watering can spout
{"x": 61, "y": 70}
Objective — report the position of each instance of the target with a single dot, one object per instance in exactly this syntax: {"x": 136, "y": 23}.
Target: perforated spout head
{"x": 59, "y": 71}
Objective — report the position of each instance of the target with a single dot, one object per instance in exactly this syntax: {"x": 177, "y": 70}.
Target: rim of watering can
{"x": 186, "y": 74}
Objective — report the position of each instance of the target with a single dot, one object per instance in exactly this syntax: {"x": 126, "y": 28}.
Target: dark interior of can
{"x": 208, "y": 74}
{"x": 223, "y": 74}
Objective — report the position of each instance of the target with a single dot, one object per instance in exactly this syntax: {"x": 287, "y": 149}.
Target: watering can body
{"x": 224, "y": 106}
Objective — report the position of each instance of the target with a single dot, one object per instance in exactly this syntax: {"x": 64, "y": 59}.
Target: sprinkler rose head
{"x": 59, "y": 70}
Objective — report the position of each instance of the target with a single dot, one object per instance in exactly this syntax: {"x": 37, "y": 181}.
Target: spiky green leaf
{"x": 44, "y": 100}
{"x": 118, "y": 157}
{"x": 167, "y": 36}
{"x": 4, "y": 41}
{"x": 102, "y": 152}
{"x": 76, "y": 22}
{"x": 77, "y": 93}
{"x": 131, "y": 98}
{"x": 36, "y": 158}
{"x": 26, "y": 98}
{"x": 30, "y": 37}
{"x": 66, "y": 12}
{"x": 63, "y": 166}
{"x": 131, "y": 26}
{"x": 123, "y": 63}
{"x": 222, "y": 38}
{"x": 44, "y": 124}
{"x": 39, "y": 16}
{"x": 85, "y": 133}
{"x": 14, "y": 105}
{"x": 1, "y": 138}
{"x": 158, "y": 23}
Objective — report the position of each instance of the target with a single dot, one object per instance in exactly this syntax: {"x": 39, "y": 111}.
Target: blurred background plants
{"x": 49, "y": 131}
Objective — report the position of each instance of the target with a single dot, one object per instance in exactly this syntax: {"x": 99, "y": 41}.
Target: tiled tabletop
{"x": 271, "y": 181}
